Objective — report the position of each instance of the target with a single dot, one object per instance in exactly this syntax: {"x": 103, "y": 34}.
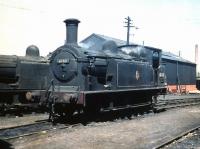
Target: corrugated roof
{"x": 102, "y": 38}
{"x": 95, "y": 42}
{"x": 173, "y": 57}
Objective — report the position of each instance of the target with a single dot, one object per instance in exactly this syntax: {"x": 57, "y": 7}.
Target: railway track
{"x": 20, "y": 109}
{"x": 23, "y": 130}
{"x": 175, "y": 138}
{"x": 12, "y": 133}
{"x": 164, "y": 104}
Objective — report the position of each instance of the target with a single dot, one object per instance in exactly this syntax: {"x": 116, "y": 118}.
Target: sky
{"x": 172, "y": 25}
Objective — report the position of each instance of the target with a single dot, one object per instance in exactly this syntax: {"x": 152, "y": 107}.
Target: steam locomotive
{"x": 22, "y": 75}
{"x": 111, "y": 77}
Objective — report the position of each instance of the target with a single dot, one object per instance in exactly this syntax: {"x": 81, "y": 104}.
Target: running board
{"x": 127, "y": 106}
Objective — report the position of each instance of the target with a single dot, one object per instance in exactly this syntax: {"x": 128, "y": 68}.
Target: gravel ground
{"x": 140, "y": 132}
{"x": 191, "y": 140}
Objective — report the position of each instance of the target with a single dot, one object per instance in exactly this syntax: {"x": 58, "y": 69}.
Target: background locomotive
{"x": 111, "y": 77}
{"x": 20, "y": 76}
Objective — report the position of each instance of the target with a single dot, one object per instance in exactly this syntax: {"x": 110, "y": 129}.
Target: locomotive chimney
{"x": 71, "y": 31}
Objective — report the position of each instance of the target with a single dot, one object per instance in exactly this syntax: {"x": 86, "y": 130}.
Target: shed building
{"x": 180, "y": 73}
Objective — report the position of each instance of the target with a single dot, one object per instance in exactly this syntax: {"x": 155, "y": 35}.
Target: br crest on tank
{"x": 92, "y": 80}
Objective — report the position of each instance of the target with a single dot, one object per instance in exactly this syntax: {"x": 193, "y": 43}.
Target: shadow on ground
{"x": 5, "y": 145}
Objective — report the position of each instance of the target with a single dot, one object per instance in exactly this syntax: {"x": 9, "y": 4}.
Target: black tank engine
{"x": 111, "y": 77}
{"x": 22, "y": 75}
